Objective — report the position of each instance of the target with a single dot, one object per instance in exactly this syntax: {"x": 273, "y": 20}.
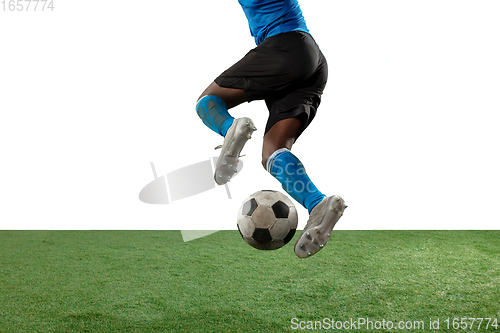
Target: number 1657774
{"x": 27, "y": 5}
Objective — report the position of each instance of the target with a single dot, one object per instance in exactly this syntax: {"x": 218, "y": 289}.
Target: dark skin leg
{"x": 232, "y": 97}
{"x": 282, "y": 135}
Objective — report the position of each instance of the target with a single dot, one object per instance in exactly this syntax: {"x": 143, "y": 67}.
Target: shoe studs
{"x": 321, "y": 245}
{"x": 308, "y": 235}
{"x": 317, "y": 230}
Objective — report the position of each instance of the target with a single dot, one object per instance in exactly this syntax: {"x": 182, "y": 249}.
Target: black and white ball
{"x": 267, "y": 220}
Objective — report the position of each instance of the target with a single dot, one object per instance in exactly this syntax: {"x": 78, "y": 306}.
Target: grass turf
{"x": 151, "y": 281}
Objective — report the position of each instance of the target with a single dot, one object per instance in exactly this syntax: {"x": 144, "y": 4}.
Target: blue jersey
{"x": 267, "y": 18}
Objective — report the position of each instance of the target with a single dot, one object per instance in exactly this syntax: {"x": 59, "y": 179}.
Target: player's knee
{"x": 208, "y": 91}
{"x": 199, "y": 98}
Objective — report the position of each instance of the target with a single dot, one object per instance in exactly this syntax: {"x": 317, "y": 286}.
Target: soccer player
{"x": 289, "y": 72}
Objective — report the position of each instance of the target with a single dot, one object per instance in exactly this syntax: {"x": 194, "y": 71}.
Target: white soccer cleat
{"x": 319, "y": 227}
{"x": 238, "y": 134}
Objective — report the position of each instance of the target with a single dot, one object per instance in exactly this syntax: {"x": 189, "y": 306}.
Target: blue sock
{"x": 287, "y": 168}
{"x": 213, "y": 111}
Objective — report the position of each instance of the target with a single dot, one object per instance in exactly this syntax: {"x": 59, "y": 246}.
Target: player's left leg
{"x": 212, "y": 107}
{"x": 232, "y": 97}
{"x": 287, "y": 168}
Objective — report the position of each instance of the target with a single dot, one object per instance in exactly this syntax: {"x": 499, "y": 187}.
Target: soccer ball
{"x": 267, "y": 220}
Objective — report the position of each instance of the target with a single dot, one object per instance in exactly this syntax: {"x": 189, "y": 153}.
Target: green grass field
{"x": 151, "y": 281}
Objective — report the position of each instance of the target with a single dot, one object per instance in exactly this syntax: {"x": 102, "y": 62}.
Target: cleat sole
{"x": 330, "y": 211}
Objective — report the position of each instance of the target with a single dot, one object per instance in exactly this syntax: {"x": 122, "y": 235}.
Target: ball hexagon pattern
{"x": 267, "y": 220}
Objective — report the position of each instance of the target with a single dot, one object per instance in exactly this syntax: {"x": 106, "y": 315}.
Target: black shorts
{"x": 288, "y": 71}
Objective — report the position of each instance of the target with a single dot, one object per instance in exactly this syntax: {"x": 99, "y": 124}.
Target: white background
{"x": 91, "y": 93}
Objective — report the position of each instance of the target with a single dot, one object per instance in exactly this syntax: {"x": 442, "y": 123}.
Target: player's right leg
{"x": 212, "y": 108}
{"x": 289, "y": 116}
{"x": 280, "y": 162}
